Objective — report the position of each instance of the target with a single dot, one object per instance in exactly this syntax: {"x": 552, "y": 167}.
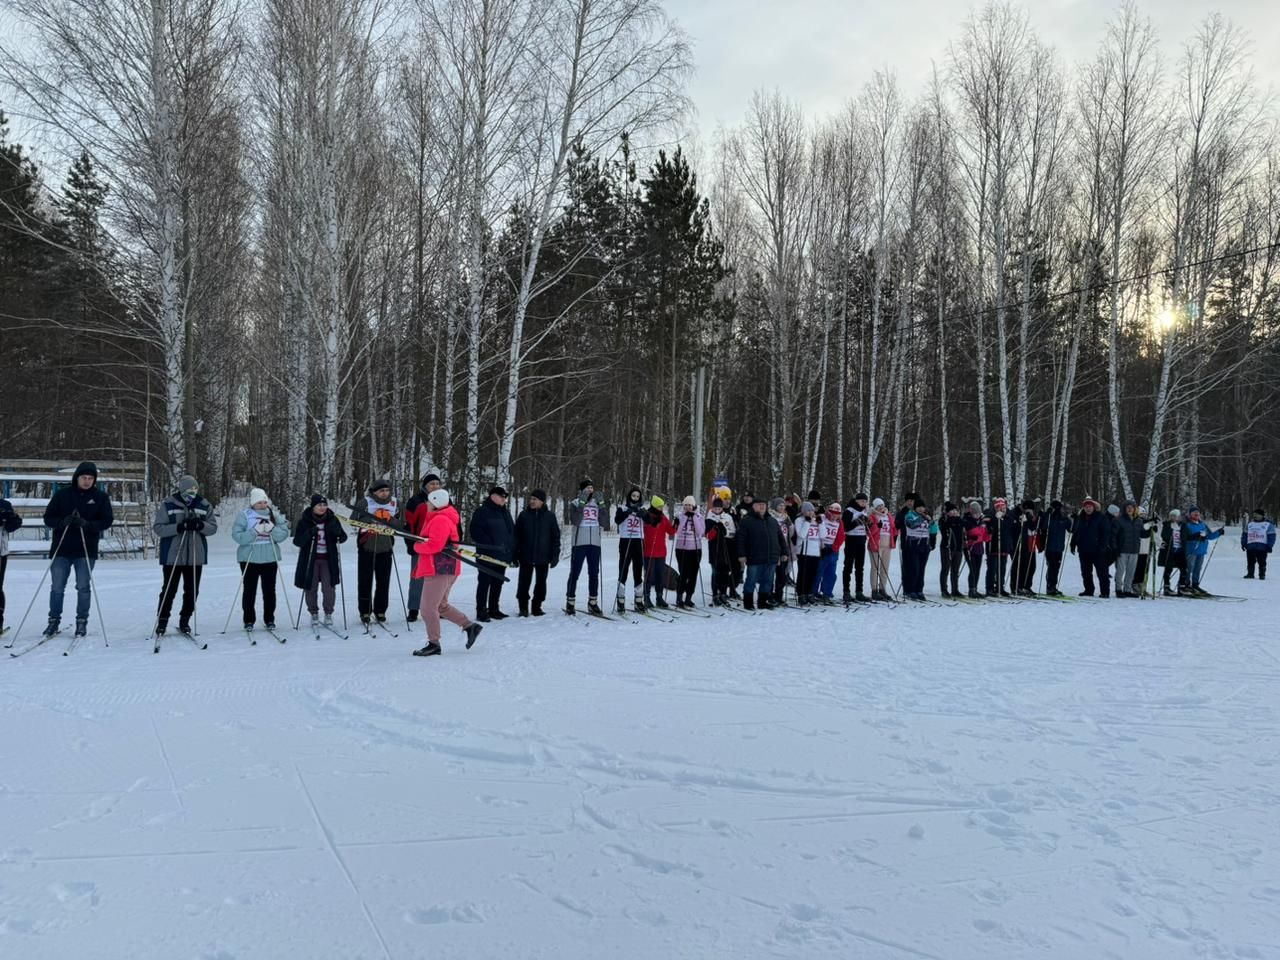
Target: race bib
{"x": 591, "y": 515}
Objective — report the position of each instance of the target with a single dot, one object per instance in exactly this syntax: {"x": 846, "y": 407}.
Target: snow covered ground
{"x": 1080, "y": 780}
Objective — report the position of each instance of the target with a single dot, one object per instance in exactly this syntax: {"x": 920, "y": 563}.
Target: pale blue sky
{"x": 820, "y": 52}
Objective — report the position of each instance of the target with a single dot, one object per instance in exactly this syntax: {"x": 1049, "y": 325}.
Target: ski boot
{"x": 315, "y": 620}
{"x": 569, "y": 606}
{"x": 52, "y": 628}
{"x": 593, "y": 608}
{"x": 328, "y": 620}
{"x": 82, "y": 626}
{"x": 162, "y": 627}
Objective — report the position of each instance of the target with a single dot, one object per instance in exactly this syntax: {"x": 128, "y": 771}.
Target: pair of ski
{"x": 45, "y": 638}
{"x": 1220, "y": 597}
{"x": 157, "y": 636}
{"x": 371, "y": 628}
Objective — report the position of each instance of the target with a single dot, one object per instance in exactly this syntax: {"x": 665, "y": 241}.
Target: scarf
{"x": 381, "y": 511}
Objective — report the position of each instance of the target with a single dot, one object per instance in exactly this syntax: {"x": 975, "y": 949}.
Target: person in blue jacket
{"x": 1196, "y": 534}
{"x": 1056, "y": 524}
{"x": 1257, "y": 539}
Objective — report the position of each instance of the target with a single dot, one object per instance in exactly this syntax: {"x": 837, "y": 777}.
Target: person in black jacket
{"x": 1003, "y": 530}
{"x": 628, "y": 518}
{"x": 1091, "y": 540}
{"x": 1057, "y": 526}
{"x": 1030, "y": 531}
{"x": 900, "y": 518}
{"x": 537, "y": 550}
{"x": 759, "y": 543}
{"x": 494, "y": 534}
{"x": 317, "y": 535}
{"x": 78, "y": 515}
{"x": 9, "y": 522}
{"x": 951, "y": 534}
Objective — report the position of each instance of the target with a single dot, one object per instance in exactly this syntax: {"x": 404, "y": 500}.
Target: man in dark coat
{"x": 537, "y": 550}
{"x": 494, "y": 535}
{"x": 1057, "y": 526}
{"x": 317, "y": 535}
{"x": 9, "y": 522}
{"x": 759, "y": 543}
{"x": 1092, "y": 538}
{"x": 78, "y": 515}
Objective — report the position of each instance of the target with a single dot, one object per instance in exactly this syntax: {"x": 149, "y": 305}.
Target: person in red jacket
{"x": 882, "y": 537}
{"x": 437, "y": 567}
{"x": 657, "y": 529}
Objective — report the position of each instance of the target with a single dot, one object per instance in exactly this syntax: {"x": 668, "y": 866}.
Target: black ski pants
{"x": 855, "y": 560}
{"x": 258, "y": 575}
{"x": 1053, "y": 570}
{"x": 373, "y": 582}
{"x": 1091, "y": 564}
{"x": 189, "y": 577}
{"x": 949, "y": 575}
{"x": 687, "y": 562}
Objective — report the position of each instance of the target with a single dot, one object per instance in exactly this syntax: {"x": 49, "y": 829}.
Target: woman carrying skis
{"x": 319, "y": 569}
{"x": 882, "y": 537}
{"x": 437, "y": 567}
{"x": 259, "y": 531}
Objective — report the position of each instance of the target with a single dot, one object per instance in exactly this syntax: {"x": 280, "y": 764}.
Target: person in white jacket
{"x": 808, "y": 537}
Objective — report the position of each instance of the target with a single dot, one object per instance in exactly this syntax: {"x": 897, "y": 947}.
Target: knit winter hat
{"x": 379, "y": 485}
{"x": 688, "y": 502}
{"x": 657, "y": 502}
{"x": 921, "y": 505}
{"x": 807, "y": 507}
{"x": 439, "y": 499}
{"x": 877, "y": 503}
{"x": 1001, "y": 503}
{"x": 187, "y": 484}
{"x": 583, "y": 484}
{"x": 430, "y": 478}
{"x": 317, "y": 499}
{"x": 87, "y": 467}
{"x": 1175, "y": 513}
{"x": 947, "y": 506}
{"x": 1055, "y": 504}
{"x": 814, "y": 497}
{"x": 833, "y": 507}
{"x": 258, "y": 495}
{"x": 1089, "y": 500}
{"x": 1113, "y": 510}
{"x": 859, "y": 496}
{"x": 538, "y": 494}
{"x": 1193, "y": 509}
{"x": 776, "y": 504}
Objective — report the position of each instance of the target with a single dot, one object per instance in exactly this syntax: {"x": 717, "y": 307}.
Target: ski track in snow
{"x": 1080, "y": 780}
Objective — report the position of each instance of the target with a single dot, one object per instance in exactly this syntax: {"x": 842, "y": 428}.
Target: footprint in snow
{"x": 443, "y": 913}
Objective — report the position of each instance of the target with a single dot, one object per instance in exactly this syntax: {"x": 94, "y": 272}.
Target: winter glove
{"x": 75, "y": 520}
{"x": 265, "y": 527}
{"x": 195, "y": 525}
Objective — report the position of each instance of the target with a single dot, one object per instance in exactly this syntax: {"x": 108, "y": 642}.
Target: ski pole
{"x": 284, "y": 592}
{"x": 244, "y": 568}
{"x": 168, "y": 582}
{"x": 39, "y": 587}
{"x": 84, "y": 543}
{"x": 395, "y": 569}
{"x": 342, "y": 591}
{"x": 311, "y": 574}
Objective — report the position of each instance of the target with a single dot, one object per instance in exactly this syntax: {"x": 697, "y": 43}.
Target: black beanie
{"x": 379, "y": 485}
{"x": 583, "y": 484}
{"x": 317, "y": 499}
{"x": 429, "y": 477}
{"x": 88, "y": 467}
{"x": 538, "y": 494}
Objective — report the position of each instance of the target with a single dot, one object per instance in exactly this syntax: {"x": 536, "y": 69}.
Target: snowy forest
{"x": 307, "y": 243}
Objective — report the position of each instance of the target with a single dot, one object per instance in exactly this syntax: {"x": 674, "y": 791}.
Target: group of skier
{"x": 755, "y": 550}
